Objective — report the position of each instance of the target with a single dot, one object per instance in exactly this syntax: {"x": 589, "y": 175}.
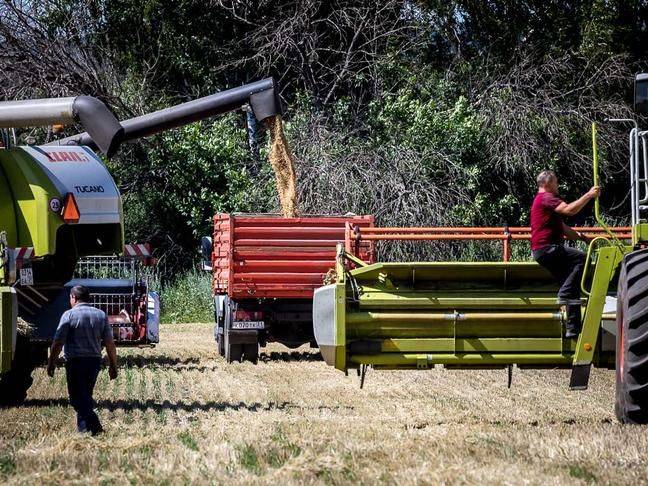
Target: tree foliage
{"x": 421, "y": 112}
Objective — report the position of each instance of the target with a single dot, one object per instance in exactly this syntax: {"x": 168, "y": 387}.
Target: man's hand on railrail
{"x": 594, "y": 192}
{"x": 572, "y": 234}
{"x": 574, "y": 207}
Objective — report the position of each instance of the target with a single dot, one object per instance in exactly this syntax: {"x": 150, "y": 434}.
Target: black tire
{"x": 233, "y": 352}
{"x": 220, "y": 345}
{"x": 15, "y": 383}
{"x": 220, "y": 329}
{"x": 251, "y": 352}
{"x": 632, "y": 340}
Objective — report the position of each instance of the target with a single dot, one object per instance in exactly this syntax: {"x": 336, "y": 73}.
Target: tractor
{"x": 502, "y": 314}
{"x": 58, "y": 203}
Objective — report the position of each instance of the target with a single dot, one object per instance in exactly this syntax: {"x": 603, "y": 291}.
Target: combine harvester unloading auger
{"x": 500, "y": 314}
{"x": 58, "y": 203}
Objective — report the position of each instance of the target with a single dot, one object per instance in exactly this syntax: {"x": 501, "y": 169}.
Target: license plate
{"x": 248, "y": 325}
{"x": 26, "y": 276}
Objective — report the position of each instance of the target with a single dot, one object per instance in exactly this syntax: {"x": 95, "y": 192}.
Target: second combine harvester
{"x": 58, "y": 203}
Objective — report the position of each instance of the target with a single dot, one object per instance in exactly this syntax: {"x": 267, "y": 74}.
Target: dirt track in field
{"x": 179, "y": 414}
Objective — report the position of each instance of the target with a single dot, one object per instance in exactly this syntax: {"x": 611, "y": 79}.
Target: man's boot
{"x": 574, "y": 325}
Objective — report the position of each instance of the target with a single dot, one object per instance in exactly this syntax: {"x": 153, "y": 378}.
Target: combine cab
{"x": 56, "y": 203}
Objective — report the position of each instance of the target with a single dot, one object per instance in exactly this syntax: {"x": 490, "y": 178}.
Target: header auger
{"x": 500, "y": 314}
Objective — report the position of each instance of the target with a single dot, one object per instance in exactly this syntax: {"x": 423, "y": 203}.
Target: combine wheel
{"x": 632, "y": 340}
{"x": 15, "y": 383}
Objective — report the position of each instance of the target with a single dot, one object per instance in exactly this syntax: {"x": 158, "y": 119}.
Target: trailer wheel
{"x": 632, "y": 340}
{"x": 15, "y": 383}
{"x": 220, "y": 345}
{"x": 251, "y": 352}
{"x": 232, "y": 351}
{"x": 220, "y": 327}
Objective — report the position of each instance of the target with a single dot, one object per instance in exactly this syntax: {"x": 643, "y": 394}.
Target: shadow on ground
{"x": 132, "y": 405}
{"x": 167, "y": 362}
{"x": 194, "y": 363}
{"x": 143, "y": 361}
{"x": 290, "y": 356}
{"x": 167, "y": 405}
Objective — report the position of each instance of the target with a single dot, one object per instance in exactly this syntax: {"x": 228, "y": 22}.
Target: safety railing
{"x": 638, "y": 168}
{"x": 354, "y": 235}
{"x": 114, "y": 304}
{"x": 136, "y": 263}
{"x": 107, "y": 267}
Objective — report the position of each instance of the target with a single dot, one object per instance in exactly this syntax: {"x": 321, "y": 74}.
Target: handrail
{"x": 355, "y": 235}
{"x": 597, "y": 205}
{"x": 473, "y": 229}
{"x": 470, "y": 233}
{"x": 588, "y": 257}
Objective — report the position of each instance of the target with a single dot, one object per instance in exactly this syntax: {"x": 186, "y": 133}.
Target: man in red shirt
{"x": 548, "y": 232}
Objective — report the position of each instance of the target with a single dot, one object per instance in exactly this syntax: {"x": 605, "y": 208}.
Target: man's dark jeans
{"x": 81, "y": 379}
{"x": 566, "y": 265}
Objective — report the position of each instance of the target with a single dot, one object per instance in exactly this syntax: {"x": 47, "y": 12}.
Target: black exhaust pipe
{"x": 262, "y": 97}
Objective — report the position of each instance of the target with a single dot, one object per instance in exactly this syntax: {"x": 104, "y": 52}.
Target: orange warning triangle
{"x": 70, "y": 209}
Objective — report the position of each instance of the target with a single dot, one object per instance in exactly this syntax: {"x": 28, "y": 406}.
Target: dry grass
{"x": 179, "y": 414}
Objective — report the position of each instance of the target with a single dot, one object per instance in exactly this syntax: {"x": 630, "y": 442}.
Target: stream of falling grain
{"x": 283, "y": 164}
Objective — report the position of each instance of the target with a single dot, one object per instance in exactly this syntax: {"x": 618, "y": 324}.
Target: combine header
{"x": 461, "y": 313}
{"x": 499, "y": 314}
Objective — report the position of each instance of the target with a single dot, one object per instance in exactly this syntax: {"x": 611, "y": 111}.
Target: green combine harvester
{"x": 58, "y": 203}
{"x": 501, "y": 314}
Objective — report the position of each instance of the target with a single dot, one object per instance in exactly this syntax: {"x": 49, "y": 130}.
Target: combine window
{"x": 90, "y": 239}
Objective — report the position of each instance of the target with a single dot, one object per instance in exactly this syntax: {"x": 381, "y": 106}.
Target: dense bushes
{"x": 422, "y": 113}
{"x": 188, "y": 299}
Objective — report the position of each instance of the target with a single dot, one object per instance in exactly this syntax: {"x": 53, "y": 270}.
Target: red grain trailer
{"x": 265, "y": 270}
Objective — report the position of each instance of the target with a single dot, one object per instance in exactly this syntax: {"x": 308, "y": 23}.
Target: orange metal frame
{"x": 258, "y": 256}
{"x": 354, "y": 235}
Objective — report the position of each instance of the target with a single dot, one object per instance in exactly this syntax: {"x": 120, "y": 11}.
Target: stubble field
{"x": 179, "y": 414}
